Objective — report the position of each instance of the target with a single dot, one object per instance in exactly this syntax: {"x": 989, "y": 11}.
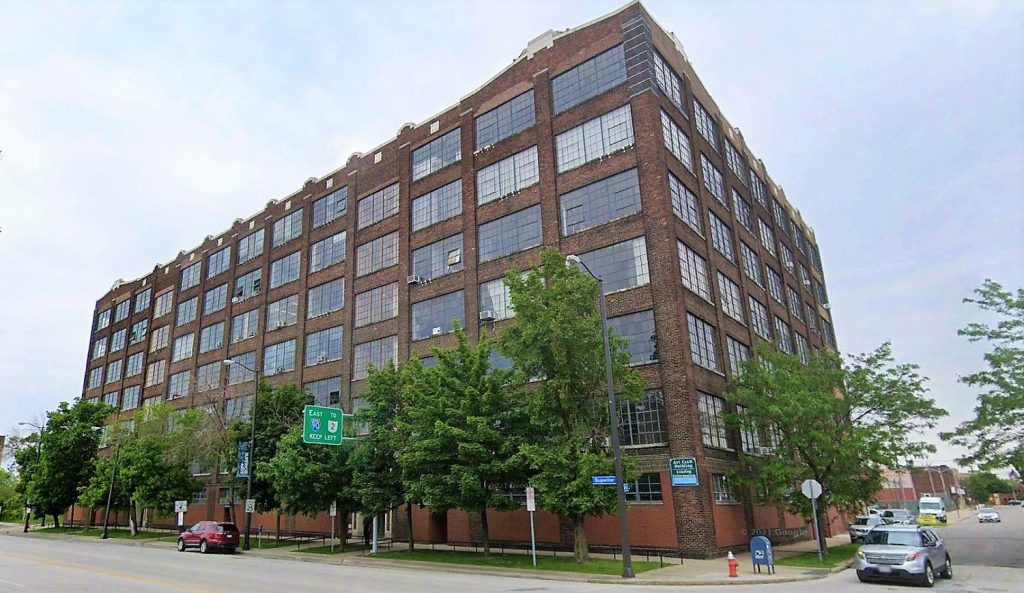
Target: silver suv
{"x": 903, "y": 552}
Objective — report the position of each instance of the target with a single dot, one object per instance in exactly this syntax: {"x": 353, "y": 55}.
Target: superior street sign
{"x": 602, "y": 480}
{"x": 322, "y": 425}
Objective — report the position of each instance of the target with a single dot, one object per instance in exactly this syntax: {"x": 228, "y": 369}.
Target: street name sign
{"x": 322, "y": 425}
{"x": 683, "y": 471}
{"x": 602, "y": 480}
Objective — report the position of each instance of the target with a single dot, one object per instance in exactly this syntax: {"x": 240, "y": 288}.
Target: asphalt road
{"x": 43, "y": 565}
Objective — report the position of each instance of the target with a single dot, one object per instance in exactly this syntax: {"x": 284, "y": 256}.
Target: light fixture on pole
{"x": 627, "y": 557}
{"x": 252, "y": 449}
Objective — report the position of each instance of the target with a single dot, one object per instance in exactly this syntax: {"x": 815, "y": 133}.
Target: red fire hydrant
{"x": 733, "y": 565}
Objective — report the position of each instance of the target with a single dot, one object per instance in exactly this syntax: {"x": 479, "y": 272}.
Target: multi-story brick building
{"x": 599, "y": 140}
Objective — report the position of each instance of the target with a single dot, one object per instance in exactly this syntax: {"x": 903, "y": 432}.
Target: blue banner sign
{"x": 603, "y": 480}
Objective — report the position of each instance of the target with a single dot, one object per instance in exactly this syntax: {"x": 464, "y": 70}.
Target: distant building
{"x": 938, "y": 480}
{"x": 898, "y": 490}
{"x": 599, "y": 140}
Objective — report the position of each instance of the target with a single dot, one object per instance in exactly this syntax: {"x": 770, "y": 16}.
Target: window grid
{"x": 133, "y": 366}
{"x": 785, "y": 338}
{"x": 620, "y": 266}
{"x": 183, "y": 347}
{"x": 732, "y": 300}
{"x": 438, "y": 259}
{"x": 509, "y": 234}
{"x": 219, "y": 262}
{"x": 117, "y": 339}
{"x": 377, "y": 304}
{"x": 114, "y": 371}
{"x": 377, "y": 206}
{"x": 187, "y": 311}
{"x": 237, "y": 408}
{"x": 288, "y": 228}
{"x": 437, "y": 154}
{"x": 589, "y": 79}
{"x": 240, "y": 372}
{"x": 143, "y": 299}
{"x": 177, "y": 385}
{"x": 164, "y": 304}
{"x": 676, "y": 141}
{"x": 639, "y": 331}
{"x": 285, "y": 270}
{"x": 750, "y": 438}
{"x": 324, "y": 345}
{"x": 191, "y": 275}
{"x": 751, "y": 262}
{"x": 130, "y": 397}
{"x": 713, "y": 430}
{"x": 245, "y": 325}
{"x": 796, "y": 305}
{"x": 713, "y": 181}
{"x": 812, "y": 319}
{"x": 642, "y": 423}
{"x": 507, "y": 176}
{"x": 99, "y": 348}
{"x": 279, "y": 358}
{"x": 505, "y": 120}
{"x": 646, "y": 488}
{"x": 703, "y": 346}
{"x": 247, "y": 285}
{"x": 705, "y": 124}
{"x": 600, "y": 202}
{"x": 250, "y": 246}
{"x": 787, "y": 258}
{"x": 758, "y": 189}
{"x": 736, "y": 162}
{"x": 780, "y": 216}
{"x": 215, "y": 299}
{"x": 438, "y": 315}
{"x": 377, "y": 254}
{"x": 738, "y": 352}
{"x": 685, "y": 204}
{"x": 803, "y": 349}
{"x": 211, "y": 337}
{"x": 759, "y": 318}
{"x": 327, "y": 252}
{"x": 121, "y": 310}
{"x": 440, "y": 204}
{"x": 376, "y": 353}
{"x": 496, "y": 298}
{"x": 723, "y": 488}
{"x": 767, "y": 236}
{"x": 721, "y": 238}
{"x": 325, "y": 392}
{"x": 95, "y": 378}
{"x": 330, "y": 207}
{"x": 668, "y": 80}
{"x": 775, "y": 286}
{"x": 594, "y": 139}
{"x": 208, "y": 376}
{"x": 325, "y": 298}
{"x": 694, "y": 271}
{"x": 103, "y": 319}
{"x": 155, "y": 373}
{"x": 742, "y": 210}
{"x": 161, "y": 337}
{"x": 111, "y": 398}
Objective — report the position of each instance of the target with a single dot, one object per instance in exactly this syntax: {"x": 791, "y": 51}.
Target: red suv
{"x": 209, "y": 535}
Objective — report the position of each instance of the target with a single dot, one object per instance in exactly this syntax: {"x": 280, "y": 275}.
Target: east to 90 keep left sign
{"x": 322, "y": 425}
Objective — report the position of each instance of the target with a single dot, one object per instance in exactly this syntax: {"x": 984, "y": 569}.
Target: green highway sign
{"x": 322, "y": 425}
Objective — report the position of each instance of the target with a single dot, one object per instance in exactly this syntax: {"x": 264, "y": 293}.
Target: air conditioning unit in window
{"x": 321, "y": 359}
{"x": 281, "y": 324}
{"x": 252, "y": 334}
{"x": 487, "y": 316}
{"x": 414, "y": 279}
{"x": 436, "y": 331}
{"x": 807, "y": 283}
{"x": 280, "y": 369}
{"x": 826, "y": 306}
{"x": 766, "y": 450}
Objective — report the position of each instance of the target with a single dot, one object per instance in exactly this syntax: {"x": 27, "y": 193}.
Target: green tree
{"x": 840, "y": 424}
{"x": 307, "y": 479}
{"x": 558, "y": 339}
{"x": 995, "y": 436}
{"x": 376, "y": 473}
{"x": 981, "y": 486}
{"x": 11, "y": 501}
{"x": 276, "y": 410}
{"x": 66, "y": 458}
{"x": 464, "y": 430}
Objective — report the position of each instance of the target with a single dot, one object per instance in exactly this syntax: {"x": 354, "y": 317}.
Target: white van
{"x": 932, "y": 505}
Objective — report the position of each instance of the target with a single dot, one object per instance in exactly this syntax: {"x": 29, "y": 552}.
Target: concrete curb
{"x": 544, "y": 575}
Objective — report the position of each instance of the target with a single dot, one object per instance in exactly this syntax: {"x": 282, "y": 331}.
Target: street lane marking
{"x": 174, "y": 585}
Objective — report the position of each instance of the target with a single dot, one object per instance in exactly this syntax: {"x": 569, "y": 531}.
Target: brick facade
{"x": 687, "y": 520}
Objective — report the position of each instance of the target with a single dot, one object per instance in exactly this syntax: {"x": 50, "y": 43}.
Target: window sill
{"x": 645, "y": 446}
{"x": 729, "y": 503}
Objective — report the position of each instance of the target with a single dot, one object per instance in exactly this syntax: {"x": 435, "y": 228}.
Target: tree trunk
{"x": 277, "y": 527}
{"x": 485, "y": 528}
{"x": 822, "y": 518}
{"x": 56, "y": 520}
{"x": 580, "y": 549}
{"x": 408, "y": 519}
{"x": 133, "y": 522}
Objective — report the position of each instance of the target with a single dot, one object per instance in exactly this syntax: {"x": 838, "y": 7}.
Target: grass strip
{"x": 519, "y": 561}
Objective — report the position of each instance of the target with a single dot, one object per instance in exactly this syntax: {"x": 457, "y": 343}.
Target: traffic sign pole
{"x": 531, "y": 506}
{"x": 812, "y": 490}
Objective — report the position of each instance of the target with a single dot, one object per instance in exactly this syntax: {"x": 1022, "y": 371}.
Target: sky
{"x": 130, "y": 131}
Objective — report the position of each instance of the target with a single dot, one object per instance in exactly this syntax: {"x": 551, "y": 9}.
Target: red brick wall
{"x": 730, "y": 525}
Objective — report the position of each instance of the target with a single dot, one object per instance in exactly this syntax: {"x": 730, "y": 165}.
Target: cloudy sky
{"x": 130, "y": 131}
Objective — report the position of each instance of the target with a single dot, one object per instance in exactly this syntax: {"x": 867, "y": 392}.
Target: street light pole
{"x": 627, "y": 557}
{"x": 39, "y": 447}
{"x": 110, "y": 493}
{"x": 252, "y": 450}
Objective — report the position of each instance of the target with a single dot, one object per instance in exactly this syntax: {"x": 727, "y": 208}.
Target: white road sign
{"x": 250, "y": 505}
{"x": 811, "y": 489}
{"x": 180, "y": 506}
{"x": 531, "y": 502}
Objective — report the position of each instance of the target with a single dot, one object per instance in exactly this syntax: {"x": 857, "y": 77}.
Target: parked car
{"x": 905, "y": 553}
{"x": 1014, "y": 502}
{"x": 209, "y": 535}
{"x": 861, "y": 525}
{"x": 988, "y": 515}
{"x": 898, "y": 517}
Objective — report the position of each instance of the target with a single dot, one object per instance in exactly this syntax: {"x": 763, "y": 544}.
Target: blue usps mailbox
{"x": 761, "y": 553}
